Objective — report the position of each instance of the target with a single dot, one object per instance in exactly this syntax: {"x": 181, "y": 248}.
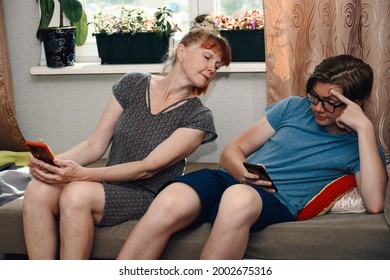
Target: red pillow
{"x": 324, "y": 200}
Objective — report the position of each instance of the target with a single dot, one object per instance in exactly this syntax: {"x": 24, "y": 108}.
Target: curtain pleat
{"x": 11, "y": 137}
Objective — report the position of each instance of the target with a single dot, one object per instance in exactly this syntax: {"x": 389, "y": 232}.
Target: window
{"x": 232, "y": 7}
{"x": 184, "y": 11}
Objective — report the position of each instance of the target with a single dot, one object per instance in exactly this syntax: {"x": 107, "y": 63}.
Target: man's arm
{"x": 372, "y": 179}
{"x": 235, "y": 152}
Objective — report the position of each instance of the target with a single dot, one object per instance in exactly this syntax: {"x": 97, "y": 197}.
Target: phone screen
{"x": 41, "y": 151}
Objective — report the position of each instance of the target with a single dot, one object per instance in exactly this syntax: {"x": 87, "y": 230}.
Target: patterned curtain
{"x": 301, "y": 33}
{"x": 10, "y": 136}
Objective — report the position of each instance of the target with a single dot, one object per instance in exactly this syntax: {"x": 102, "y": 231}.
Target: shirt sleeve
{"x": 279, "y": 111}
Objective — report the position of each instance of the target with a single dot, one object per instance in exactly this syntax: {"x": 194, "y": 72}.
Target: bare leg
{"x": 239, "y": 208}
{"x": 81, "y": 206}
{"x": 40, "y": 207}
{"x": 172, "y": 210}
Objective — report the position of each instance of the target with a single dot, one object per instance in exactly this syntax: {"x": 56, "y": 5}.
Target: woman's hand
{"x": 38, "y": 170}
{"x": 69, "y": 171}
{"x": 65, "y": 171}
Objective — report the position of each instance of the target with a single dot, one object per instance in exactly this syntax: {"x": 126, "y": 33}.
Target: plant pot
{"x": 131, "y": 48}
{"x": 59, "y": 46}
{"x": 246, "y": 45}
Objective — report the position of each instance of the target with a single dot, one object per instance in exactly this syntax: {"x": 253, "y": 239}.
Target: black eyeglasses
{"x": 327, "y": 105}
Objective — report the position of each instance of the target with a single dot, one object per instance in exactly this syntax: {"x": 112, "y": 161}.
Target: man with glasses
{"x": 304, "y": 143}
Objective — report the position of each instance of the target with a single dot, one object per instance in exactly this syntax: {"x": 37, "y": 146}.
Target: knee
{"x": 37, "y": 194}
{"x": 31, "y": 194}
{"x": 244, "y": 203}
{"x": 72, "y": 198}
{"x": 174, "y": 206}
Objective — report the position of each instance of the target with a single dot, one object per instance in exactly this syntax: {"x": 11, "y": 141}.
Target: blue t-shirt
{"x": 302, "y": 157}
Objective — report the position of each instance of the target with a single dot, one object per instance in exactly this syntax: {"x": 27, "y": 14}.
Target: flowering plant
{"x": 250, "y": 20}
{"x": 135, "y": 21}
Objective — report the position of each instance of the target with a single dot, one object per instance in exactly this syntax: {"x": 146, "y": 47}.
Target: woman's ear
{"x": 180, "y": 50}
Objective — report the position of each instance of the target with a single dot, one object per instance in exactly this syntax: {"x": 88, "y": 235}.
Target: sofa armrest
{"x": 387, "y": 198}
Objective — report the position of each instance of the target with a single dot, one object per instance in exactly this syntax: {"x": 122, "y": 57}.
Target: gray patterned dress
{"x": 137, "y": 132}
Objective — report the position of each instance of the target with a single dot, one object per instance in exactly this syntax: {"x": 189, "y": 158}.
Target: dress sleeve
{"x": 202, "y": 119}
{"x": 128, "y": 86}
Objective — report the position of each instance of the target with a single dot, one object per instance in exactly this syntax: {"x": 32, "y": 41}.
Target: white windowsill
{"x": 93, "y": 68}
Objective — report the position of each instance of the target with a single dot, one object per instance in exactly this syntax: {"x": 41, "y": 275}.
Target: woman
{"x": 153, "y": 123}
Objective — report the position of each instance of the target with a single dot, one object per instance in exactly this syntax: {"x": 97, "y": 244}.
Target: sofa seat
{"x": 331, "y": 236}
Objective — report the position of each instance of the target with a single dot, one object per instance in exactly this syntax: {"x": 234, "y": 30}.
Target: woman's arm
{"x": 85, "y": 152}
{"x": 182, "y": 143}
{"x": 98, "y": 142}
{"x": 178, "y": 146}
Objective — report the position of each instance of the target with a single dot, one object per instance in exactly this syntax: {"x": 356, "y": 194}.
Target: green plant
{"x": 72, "y": 10}
{"x": 162, "y": 23}
{"x": 250, "y": 20}
{"x": 135, "y": 21}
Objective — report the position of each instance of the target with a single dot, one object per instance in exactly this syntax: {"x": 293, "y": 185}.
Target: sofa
{"x": 330, "y": 236}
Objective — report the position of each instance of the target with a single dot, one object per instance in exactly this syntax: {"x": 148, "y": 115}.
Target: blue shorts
{"x": 210, "y": 185}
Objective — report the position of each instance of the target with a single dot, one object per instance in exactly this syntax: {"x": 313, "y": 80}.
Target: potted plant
{"x": 245, "y": 33}
{"x": 131, "y": 37}
{"x": 59, "y": 41}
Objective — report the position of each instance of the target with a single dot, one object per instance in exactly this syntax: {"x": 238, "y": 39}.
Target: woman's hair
{"x": 210, "y": 40}
{"x": 351, "y": 74}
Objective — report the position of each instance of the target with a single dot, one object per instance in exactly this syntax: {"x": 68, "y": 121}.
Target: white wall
{"x": 64, "y": 109}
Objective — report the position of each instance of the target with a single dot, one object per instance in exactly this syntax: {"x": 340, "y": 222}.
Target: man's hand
{"x": 253, "y": 179}
{"x": 353, "y": 117}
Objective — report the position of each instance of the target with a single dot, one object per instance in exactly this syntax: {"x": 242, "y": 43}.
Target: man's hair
{"x": 351, "y": 74}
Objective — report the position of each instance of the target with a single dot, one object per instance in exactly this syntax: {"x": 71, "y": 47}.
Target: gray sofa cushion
{"x": 183, "y": 245}
{"x": 11, "y": 228}
{"x": 387, "y": 198}
{"x": 331, "y": 236}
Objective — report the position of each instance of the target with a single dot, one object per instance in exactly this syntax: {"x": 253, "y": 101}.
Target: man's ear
{"x": 360, "y": 103}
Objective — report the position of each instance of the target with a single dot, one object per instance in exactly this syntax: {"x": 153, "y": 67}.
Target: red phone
{"x": 259, "y": 169}
{"x": 41, "y": 151}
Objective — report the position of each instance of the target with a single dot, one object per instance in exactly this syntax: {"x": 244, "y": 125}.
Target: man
{"x": 305, "y": 143}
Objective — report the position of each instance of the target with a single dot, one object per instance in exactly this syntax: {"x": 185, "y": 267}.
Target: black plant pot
{"x": 247, "y": 45}
{"x": 131, "y": 48}
{"x": 59, "y": 45}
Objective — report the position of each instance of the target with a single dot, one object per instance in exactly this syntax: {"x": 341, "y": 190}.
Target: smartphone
{"x": 259, "y": 169}
{"x": 41, "y": 151}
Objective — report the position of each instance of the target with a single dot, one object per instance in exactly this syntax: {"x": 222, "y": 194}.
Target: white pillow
{"x": 351, "y": 202}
